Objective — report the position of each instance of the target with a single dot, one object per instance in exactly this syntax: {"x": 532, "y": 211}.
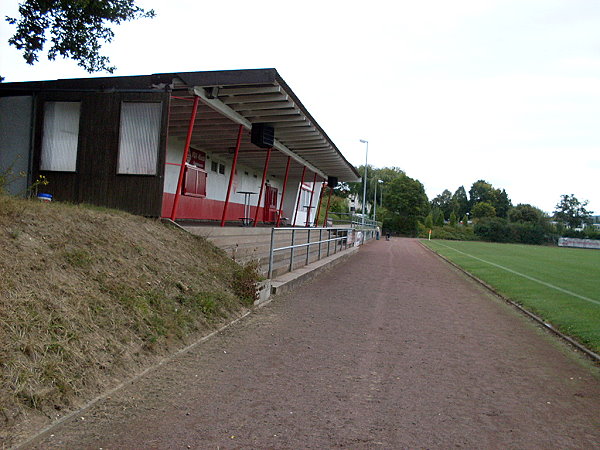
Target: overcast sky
{"x": 449, "y": 91}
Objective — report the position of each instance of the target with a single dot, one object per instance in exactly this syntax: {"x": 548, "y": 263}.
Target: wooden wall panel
{"x": 62, "y": 185}
{"x": 96, "y": 180}
{"x": 140, "y": 194}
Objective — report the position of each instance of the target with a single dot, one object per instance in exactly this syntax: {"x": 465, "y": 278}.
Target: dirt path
{"x": 393, "y": 349}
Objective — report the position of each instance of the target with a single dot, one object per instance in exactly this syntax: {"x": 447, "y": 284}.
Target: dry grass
{"x": 89, "y": 296}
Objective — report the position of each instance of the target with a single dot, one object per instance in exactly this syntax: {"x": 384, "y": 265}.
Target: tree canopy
{"x": 483, "y": 209}
{"x": 76, "y": 29}
{"x": 444, "y": 203}
{"x": 524, "y": 213}
{"x": 482, "y": 191}
{"x": 571, "y": 212}
{"x": 460, "y": 202}
{"x": 406, "y": 204}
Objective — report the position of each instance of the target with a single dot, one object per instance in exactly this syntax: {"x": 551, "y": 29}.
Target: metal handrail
{"x": 356, "y": 220}
{"x": 343, "y": 239}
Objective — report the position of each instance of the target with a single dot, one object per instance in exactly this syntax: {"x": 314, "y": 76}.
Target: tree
{"x": 453, "y": 219}
{"x": 429, "y": 221}
{"x": 386, "y": 174}
{"x": 76, "y": 29}
{"x": 460, "y": 202}
{"x": 494, "y": 229}
{"x": 438, "y": 217}
{"x": 483, "y": 209}
{"x": 524, "y": 213}
{"x": 406, "y": 196}
{"x": 482, "y": 191}
{"x": 502, "y": 203}
{"x": 443, "y": 202}
{"x": 407, "y": 203}
{"x": 571, "y": 212}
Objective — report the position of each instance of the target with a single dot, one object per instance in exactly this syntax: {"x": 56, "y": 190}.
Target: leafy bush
{"x": 483, "y": 209}
{"x": 429, "y": 221}
{"x": 453, "y": 219}
{"x": 529, "y": 233}
{"x": 402, "y": 225}
{"x": 449, "y": 232}
{"x": 586, "y": 233}
{"x": 495, "y": 229}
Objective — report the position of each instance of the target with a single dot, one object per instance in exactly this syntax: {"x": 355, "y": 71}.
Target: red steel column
{"x": 327, "y": 209}
{"x": 299, "y": 196}
{"x": 287, "y": 171}
{"x": 262, "y": 184}
{"x": 319, "y": 206}
{"x": 312, "y": 193}
{"x": 231, "y": 177}
{"x": 186, "y": 150}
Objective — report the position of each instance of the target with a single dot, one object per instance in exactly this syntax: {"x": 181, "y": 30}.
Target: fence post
{"x": 292, "y": 251}
{"x": 271, "y": 253}
{"x": 307, "y": 247}
{"x": 320, "y": 234}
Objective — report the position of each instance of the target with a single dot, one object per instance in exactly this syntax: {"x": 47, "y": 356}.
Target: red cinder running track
{"x": 392, "y": 349}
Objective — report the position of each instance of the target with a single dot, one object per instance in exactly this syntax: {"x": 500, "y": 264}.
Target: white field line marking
{"x": 564, "y": 291}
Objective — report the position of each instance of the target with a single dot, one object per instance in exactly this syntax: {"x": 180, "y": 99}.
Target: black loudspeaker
{"x": 332, "y": 182}
{"x": 262, "y": 135}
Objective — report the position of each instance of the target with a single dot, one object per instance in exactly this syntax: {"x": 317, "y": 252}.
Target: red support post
{"x": 319, "y": 206}
{"x": 327, "y": 209}
{"x": 299, "y": 196}
{"x": 232, "y": 175}
{"x": 186, "y": 150}
{"x": 262, "y": 184}
{"x": 287, "y": 171}
{"x": 312, "y": 193}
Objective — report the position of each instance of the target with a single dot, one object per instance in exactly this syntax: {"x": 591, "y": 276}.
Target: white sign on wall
{"x": 580, "y": 243}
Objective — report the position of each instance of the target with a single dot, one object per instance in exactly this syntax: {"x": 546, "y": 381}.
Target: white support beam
{"x": 293, "y": 138}
{"x": 254, "y": 98}
{"x": 306, "y": 125}
{"x": 298, "y": 132}
{"x": 271, "y": 112}
{"x": 261, "y": 106}
{"x": 248, "y": 90}
{"x": 275, "y": 120}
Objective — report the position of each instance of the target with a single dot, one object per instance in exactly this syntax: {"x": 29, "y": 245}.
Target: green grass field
{"x": 561, "y": 285}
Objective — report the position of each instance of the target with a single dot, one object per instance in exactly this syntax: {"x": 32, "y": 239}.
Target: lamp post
{"x": 365, "y": 181}
{"x": 375, "y": 201}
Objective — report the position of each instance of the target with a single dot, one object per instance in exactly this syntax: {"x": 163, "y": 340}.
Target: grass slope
{"x": 576, "y": 271}
{"x": 90, "y": 296}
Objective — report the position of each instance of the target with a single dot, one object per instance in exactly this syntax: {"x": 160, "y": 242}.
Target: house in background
{"x": 217, "y": 147}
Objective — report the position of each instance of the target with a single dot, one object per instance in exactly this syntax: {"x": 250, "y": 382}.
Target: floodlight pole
{"x": 365, "y": 181}
{"x": 375, "y": 202}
